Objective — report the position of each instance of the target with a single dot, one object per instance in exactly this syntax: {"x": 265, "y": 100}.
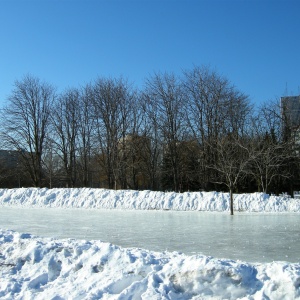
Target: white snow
{"x": 129, "y": 199}
{"x": 43, "y": 268}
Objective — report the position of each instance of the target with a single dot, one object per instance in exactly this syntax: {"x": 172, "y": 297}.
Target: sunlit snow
{"x": 46, "y": 268}
{"x": 129, "y": 199}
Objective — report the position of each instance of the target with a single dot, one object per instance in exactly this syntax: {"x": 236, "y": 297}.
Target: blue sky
{"x": 68, "y": 43}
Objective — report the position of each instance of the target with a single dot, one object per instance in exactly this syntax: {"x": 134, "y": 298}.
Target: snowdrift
{"x": 148, "y": 200}
{"x": 35, "y": 268}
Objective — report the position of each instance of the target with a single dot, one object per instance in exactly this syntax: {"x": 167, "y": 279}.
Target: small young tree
{"x": 232, "y": 160}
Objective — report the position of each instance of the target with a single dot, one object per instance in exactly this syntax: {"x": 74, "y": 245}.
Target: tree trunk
{"x": 231, "y": 201}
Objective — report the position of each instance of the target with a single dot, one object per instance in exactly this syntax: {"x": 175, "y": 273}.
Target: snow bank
{"x": 128, "y": 199}
{"x": 36, "y": 268}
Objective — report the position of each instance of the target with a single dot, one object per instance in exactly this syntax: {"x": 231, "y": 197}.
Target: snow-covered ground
{"x": 129, "y": 199}
{"x": 44, "y": 268}
{"x": 35, "y": 268}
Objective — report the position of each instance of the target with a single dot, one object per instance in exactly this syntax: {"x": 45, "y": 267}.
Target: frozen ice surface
{"x": 254, "y": 237}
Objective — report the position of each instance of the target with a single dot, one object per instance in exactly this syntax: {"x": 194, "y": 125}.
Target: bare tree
{"x": 218, "y": 117}
{"x": 65, "y": 121}
{"x": 214, "y": 108}
{"x": 231, "y": 163}
{"x": 270, "y": 161}
{"x": 165, "y": 104}
{"x": 206, "y": 94}
{"x": 154, "y": 151}
{"x": 53, "y": 165}
{"x": 26, "y": 122}
{"x": 134, "y": 152}
{"x": 111, "y": 100}
{"x": 275, "y": 154}
{"x": 86, "y": 135}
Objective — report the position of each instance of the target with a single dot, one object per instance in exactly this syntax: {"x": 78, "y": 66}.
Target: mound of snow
{"x": 149, "y": 200}
{"x": 36, "y": 268}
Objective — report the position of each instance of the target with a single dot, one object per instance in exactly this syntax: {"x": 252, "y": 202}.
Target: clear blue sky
{"x": 254, "y": 43}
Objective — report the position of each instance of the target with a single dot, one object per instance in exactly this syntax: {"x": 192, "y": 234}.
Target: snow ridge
{"x": 35, "y": 268}
{"x": 145, "y": 200}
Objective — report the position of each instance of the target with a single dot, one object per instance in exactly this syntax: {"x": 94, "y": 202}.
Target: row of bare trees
{"x": 189, "y": 132}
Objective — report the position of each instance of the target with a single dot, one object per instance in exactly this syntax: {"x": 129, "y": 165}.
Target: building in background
{"x": 290, "y": 113}
{"x": 11, "y": 171}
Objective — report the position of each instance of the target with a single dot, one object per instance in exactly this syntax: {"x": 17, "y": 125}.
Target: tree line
{"x": 187, "y": 132}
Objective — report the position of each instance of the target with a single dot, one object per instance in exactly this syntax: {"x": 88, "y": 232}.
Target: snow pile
{"x": 36, "y": 268}
{"x": 128, "y": 199}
